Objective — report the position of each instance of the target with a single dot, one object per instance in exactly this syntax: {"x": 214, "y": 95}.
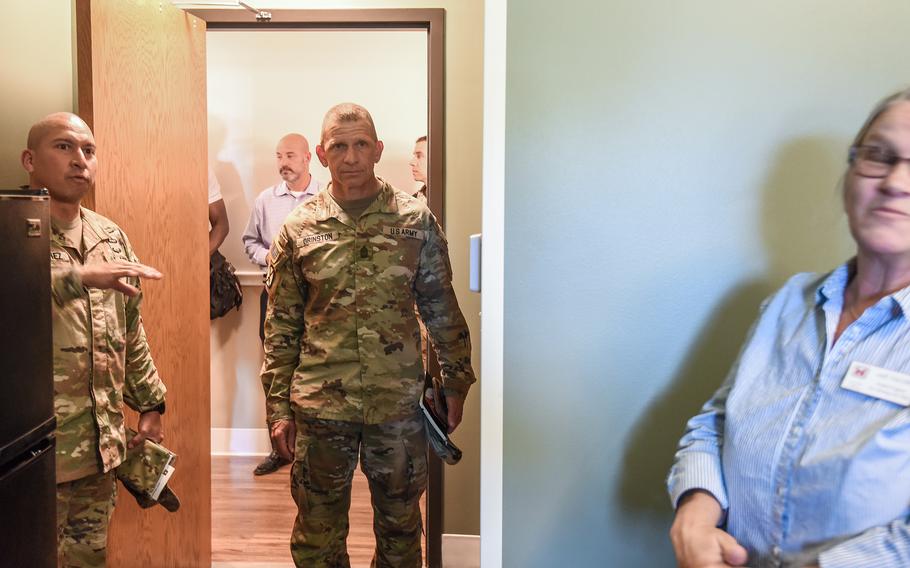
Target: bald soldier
{"x": 272, "y": 206}
{"x": 342, "y": 348}
{"x": 101, "y": 357}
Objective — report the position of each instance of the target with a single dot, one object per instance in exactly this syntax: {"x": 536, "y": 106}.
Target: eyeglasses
{"x": 874, "y": 161}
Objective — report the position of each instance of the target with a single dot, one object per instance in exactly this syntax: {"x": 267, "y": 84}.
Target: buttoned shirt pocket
{"x": 878, "y": 453}
{"x": 396, "y": 252}
{"x": 321, "y": 254}
{"x": 323, "y": 262}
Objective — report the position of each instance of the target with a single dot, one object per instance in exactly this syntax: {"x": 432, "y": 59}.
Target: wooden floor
{"x": 252, "y": 517}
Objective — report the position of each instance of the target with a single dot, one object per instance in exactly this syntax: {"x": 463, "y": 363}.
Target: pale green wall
{"x": 36, "y": 71}
{"x": 668, "y": 163}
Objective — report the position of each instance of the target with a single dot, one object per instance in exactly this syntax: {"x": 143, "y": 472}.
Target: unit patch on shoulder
{"x": 270, "y": 279}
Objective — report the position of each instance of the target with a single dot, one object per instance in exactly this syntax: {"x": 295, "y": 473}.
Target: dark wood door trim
{"x": 82, "y": 12}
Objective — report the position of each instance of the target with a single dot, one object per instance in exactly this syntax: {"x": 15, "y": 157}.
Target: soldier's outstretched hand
{"x": 106, "y": 275}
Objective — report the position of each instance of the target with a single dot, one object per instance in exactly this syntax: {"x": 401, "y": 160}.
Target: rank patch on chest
{"x": 307, "y": 240}
{"x": 407, "y": 232}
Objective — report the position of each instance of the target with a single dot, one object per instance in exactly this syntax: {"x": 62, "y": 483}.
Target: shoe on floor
{"x": 270, "y": 464}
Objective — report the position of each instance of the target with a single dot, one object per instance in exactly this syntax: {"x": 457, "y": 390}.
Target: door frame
{"x": 493, "y": 273}
{"x": 430, "y": 19}
{"x": 433, "y": 21}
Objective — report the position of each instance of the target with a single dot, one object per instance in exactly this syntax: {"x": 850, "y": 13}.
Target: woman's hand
{"x": 697, "y": 542}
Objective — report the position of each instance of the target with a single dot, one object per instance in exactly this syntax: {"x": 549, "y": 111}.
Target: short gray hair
{"x": 347, "y": 112}
{"x": 880, "y": 108}
{"x": 877, "y": 111}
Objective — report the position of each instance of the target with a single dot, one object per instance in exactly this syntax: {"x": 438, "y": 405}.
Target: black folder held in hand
{"x": 437, "y": 427}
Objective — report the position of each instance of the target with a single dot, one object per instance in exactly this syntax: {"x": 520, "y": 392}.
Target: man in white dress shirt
{"x": 271, "y": 208}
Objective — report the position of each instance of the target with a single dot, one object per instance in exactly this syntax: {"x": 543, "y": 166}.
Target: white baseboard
{"x": 240, "y": 442}
{"x": 460, "y": 551}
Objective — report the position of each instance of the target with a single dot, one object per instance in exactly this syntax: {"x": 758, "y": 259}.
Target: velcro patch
{"x": 307, "y": 240}
{"x": 270, "y": 280}
{"x": 407, "y": 232}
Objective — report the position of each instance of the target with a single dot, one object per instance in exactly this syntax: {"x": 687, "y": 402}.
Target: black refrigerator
{"x": 28, "y": 533}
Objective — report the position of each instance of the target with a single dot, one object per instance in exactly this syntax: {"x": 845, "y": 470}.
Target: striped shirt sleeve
{"x": 887, "y": 545}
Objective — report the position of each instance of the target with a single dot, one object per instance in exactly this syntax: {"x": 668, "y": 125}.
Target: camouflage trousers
{"x": 84, "y": 508}
{"x": 392, "y": 456}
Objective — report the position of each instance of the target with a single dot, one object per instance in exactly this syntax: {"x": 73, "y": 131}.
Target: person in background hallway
{"x": 218, "y": 218}
{"x": 802, "y": 456}
{"x": 418, "y": 165}
{"x": 342, "y": 348}
{"x": 272, "y": 206}
{"x": 101, "y": 357}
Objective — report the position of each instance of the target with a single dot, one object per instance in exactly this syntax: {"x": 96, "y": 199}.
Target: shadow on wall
{"x": 803, "y": 229}
{"x": 232, "y": 192}
{"x": 224, "y": 328}
{"x": 229, "y": 179}
{"x": 223, "y": 331}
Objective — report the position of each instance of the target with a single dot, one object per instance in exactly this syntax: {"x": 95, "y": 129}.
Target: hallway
{"x": 252, "y": 517}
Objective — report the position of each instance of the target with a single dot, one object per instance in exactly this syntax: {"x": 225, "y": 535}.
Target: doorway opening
{"x": 265, "y": 81}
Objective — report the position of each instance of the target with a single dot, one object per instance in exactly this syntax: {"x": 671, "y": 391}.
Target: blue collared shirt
{"x": 271, "y": 208}
{"x": 805, "y": 470}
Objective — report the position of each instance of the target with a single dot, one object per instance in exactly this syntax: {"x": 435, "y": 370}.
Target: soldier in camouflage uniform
{"x": 101, "y": 357}
{"x": 342, "y": 349}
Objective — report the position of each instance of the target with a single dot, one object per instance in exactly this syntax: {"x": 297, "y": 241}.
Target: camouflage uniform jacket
{"x": 101, "y": 357}
{"x": 342, "y": 339}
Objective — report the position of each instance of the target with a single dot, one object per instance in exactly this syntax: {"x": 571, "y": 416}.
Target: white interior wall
{"x": 38, "y": 80}
{"x": 262, "y": 85}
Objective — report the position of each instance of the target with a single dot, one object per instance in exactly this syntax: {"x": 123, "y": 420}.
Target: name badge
{"x": 308, "y": 240}
{"x": 404, "y": 232}
{"x": 878, "y": 383}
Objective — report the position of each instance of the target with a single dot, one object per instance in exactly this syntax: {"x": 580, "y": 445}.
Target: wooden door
{"x": 141, "y": 81}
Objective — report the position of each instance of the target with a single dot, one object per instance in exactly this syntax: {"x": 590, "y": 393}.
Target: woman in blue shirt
{"x": 802, "y": 457}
